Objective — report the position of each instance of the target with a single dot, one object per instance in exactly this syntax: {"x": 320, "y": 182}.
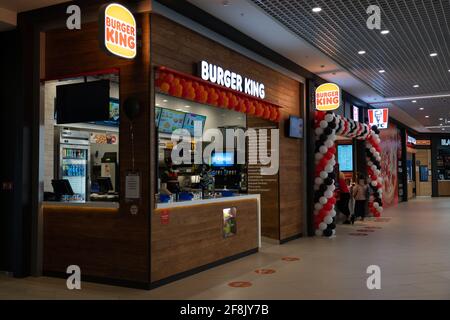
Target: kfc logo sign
{"x": 379, "y": 118}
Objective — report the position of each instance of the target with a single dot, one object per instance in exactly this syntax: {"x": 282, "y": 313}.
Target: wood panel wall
{"x": 194, "y": 236}
{"x": 122, "y": 239}
{"x": 424, "y": 157}
{"x": 179, "y": 48}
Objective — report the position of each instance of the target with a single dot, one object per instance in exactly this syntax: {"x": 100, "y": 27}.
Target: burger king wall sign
{"x": 328, "y": 97}
{"x": 117, "y": 31}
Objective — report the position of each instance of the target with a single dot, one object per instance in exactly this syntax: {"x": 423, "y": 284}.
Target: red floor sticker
{"x": 358, "y": 234}
{"x": 290, "y": 259}
{"x": 265, "y": 271}
{"x": 240, "y": 284}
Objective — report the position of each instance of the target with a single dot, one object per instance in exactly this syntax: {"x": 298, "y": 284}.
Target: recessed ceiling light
{"x": 416, "y": 86}
{"x": 164, "y": 100}
{"x": 317, "y": 9}
{"x": 448, "y": 70}
{"x": 443, "y": 129}
{"x": 225, "y": 3}
{"x": 441, "y": 119}
{"x": 157, "y": 104}
{"x": 384, "y": 32}
{"x": 434, "y": 54}
{"x": 382, "y": 71}
{"x": 441, "y": 124}
{"x": 361, "y": 52}
{"x": 427, "y": 116}
{"x": 421, "y": 108}
{"x": 414, "y": 101}
{"x": 187, "y": 106}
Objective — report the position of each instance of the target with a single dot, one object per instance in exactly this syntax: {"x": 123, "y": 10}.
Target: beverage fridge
{"x": 73, "y": 162}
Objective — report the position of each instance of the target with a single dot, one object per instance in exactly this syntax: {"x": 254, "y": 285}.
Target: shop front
{"x": 442, "y": 163}
{"x": 161, "y": 151}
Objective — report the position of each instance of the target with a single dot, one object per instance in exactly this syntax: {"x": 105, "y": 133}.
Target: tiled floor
{"x": 412, "y": 250}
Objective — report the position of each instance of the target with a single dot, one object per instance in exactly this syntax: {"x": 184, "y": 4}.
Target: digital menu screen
{"x": 345, "y": 157}
{"x": 191, "y": 119}
{"x": 170, "y": 120}
{"x": 157, "y": 115}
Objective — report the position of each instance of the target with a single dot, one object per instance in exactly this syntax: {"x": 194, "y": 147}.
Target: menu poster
{"x": 170, "y": 120}
{"x": 104, "y": 138}
{"x": 189, "y": 122}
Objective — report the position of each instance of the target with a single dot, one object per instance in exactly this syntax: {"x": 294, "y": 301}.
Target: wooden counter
{"x": 444, "y": 188}
{"x": 186, "y": 237}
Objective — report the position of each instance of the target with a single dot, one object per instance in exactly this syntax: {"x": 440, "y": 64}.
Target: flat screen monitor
{"x": 114, "y": 111}
{"x": 105, "y": 184}
{"x": 157, "y": 115}
{"x": 222, "y": 159}
{"x": 170, "y": 120}
{"x": 83, "y": 102}
{"x": 295, "y": 127}
{"x": 345, "y": 157}
{"x": 62, "y": 187}
{"x": 189, "y": 122}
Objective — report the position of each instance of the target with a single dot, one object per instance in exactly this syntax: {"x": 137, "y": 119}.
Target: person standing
{"x": 344, "y": 198}
{"x": 360, "y": 192}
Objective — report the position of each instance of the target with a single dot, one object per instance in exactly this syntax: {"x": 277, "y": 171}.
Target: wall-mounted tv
{"x": 345, "y": 157}
{"x": 295, "y": 127}
{"x": 190, "y": 120}
{"x": 222, "y": 159}
{"x": 83, "y": 102}
{"x": 170, "y": 120}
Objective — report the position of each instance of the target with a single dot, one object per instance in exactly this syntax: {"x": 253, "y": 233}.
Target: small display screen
{"x": 189, "y": 122}
{"x": 222, "y": 159}
{"x": 157, "y": 115}
{"x": 345, "y": 157}
{"x": 295, "y": 127}
{"x": 170, "y": 120}
{"x": 114, "y": 110}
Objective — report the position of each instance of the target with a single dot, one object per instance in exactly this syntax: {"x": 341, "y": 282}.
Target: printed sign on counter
{"x": 165, "y": 216}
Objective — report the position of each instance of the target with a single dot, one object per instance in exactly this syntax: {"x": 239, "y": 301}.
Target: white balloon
{"x": 378, "y": 158}
{"x": 329, "y": 143}
{"x": 318, "y": 206}
{"x": 333, "y": 213}
{"x": 328, "y": 220}
{"x": 333, "y": 231}
{"x": 372, "y": 150}
{"x": 331, "y": 187}
{"x": 324, "y": 175}
{"x": 370, "y": 163}
{"x": 374, "y": 183}
{"x": 329, "y": 117}
{"x": 380, "y": 209}
{"x": 328, "y": 194}
{"x": 323, "y": 200}
{"x": 322, "y": 226}
{"x": 319, "y": 131}
{"x": 329, "y": 168}
{"x": 376, "y": 205}
{"x": 318, "y": 180}
{"x": 323, "y": 149}
{"x": 319, "y": 156}
{"x": 332, "y": 136}
{"x": 332, "y": 162}
{"x": 374, "y": 167}
{"x": 323, "y": 124}
{"x": 319, "y": 233}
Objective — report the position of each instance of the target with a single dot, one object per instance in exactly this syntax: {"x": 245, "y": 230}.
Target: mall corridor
{"x": 409, "y": 244}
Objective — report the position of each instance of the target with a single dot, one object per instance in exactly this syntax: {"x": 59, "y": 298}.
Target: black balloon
{"x": 327, "y": 232}
{"x": 323, "y": 188}
{"x": 323, "y": 138}
{"x": 328, "y": 131}
{"x": 332, "y": 125}
{"x": 328, "y": 181}
{"x": 374, "y": 128}
{"x": 332, "y": 226}
{"x": 331, "y": 175}
{"x": 131, "y": 108}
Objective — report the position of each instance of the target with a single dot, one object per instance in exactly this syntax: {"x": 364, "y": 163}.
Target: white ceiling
{"x": 254, "y": 22}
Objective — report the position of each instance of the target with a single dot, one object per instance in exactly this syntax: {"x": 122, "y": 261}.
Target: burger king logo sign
{"x": 118, "y": 31}
{"x": 328, "y": 97}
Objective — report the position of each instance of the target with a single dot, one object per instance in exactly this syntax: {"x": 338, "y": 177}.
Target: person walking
{"x": 360, "y": 192}
{"x": 344, "y": 198}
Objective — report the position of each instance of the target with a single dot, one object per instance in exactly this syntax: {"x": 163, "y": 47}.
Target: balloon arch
{"x": 327, "y": 126}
